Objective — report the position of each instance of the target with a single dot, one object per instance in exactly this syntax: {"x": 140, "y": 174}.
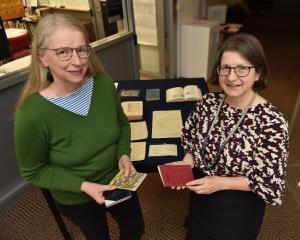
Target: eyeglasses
{"x": 65, "y": 53}
{"x": 241, "y": 71}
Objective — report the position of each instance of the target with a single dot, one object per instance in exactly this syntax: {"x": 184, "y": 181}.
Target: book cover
{"x": 133, "y": 109}
{"x": 175, "y": 175}
{"x": 131, "y": 182}
{"x": 130, "y": 93}
{"x": 116, "y": 196}
{"x": 152, "y": 94}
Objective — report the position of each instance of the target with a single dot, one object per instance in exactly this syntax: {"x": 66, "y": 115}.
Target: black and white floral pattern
{"x": 257, "y": 150}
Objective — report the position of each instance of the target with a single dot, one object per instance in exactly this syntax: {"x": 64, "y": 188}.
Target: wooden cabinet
{"x": 84, "y": 16}
{"x": 11, "y": 9}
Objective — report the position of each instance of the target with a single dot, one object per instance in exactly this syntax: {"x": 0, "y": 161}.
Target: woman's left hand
{"x": 126, "y": 165}
{"x": 206, "y": 185}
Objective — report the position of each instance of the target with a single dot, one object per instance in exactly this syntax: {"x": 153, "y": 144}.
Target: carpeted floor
{"x": 164, "y": 213}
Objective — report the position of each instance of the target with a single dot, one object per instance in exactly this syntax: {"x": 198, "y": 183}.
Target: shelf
{"x": 11, "y": 9}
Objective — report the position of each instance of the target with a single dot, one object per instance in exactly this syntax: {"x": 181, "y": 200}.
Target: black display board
{"x": 150, "y": 106}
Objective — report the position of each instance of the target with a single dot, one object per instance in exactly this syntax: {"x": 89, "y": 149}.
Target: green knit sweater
{"x": 58, "y": 150}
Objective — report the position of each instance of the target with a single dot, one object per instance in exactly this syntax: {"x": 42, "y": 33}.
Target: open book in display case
{"x": 182, "y": 94}
{"x": 159, "y": 104}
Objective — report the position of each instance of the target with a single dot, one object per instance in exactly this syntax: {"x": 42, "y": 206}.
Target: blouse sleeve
{"x": 188, "y": 134}
{"x": 267, "y": 176}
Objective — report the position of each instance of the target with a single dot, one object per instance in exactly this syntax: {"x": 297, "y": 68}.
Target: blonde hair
{"x": 37, "y": 79}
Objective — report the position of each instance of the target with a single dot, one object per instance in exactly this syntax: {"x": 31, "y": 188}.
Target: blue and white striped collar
{"x": 77, "y": 102}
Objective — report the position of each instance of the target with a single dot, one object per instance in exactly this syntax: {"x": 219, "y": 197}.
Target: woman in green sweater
{"x": 71, "y": 134}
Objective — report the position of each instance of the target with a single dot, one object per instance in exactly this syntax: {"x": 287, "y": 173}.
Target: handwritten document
{"x": 138, "y": 151}
{"x": 163, "y": 150}
{"x": 145, "y": 21}
{"x": 166, "y": 124}
{"x": 138, "y": 130}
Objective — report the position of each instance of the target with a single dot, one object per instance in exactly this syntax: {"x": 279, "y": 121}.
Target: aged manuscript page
{"x": 163, "y": 150}
{"x": 138, "y": 151}
{"x": 166, "y": 124}
{"x": 138, "y": 130}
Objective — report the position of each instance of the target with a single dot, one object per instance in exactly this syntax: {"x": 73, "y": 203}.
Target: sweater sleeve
{"x": 32, "y": 150}
{"x": 267, "y": 176}
{"x": 125, "y": 132}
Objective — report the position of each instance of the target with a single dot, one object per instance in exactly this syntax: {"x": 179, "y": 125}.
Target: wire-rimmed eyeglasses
{"x": 241, "y": 71}
{"x": 65, "y": 53}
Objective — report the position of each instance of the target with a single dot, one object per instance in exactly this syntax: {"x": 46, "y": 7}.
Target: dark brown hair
{"x": 251, "y": 49}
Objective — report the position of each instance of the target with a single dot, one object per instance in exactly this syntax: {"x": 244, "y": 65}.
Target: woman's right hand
{"x": 95, "y": 190}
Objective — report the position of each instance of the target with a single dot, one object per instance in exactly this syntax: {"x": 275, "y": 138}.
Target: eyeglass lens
{"x": 66, "y": 53}
{"x": 240, "y": 71}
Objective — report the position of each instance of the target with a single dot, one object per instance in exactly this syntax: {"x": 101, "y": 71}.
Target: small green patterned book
{"x": 131, "y": 182}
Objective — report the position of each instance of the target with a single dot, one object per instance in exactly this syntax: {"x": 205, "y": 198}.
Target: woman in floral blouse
{"x": 237, "y": 143}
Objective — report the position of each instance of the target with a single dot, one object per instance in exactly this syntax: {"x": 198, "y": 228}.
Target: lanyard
{"x": 215, "y": 117}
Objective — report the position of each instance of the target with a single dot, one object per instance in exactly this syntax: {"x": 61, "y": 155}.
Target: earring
{"x": 49, "y": 76}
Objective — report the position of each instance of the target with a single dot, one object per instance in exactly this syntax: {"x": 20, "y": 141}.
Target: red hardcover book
{"x": 175, "y": 175}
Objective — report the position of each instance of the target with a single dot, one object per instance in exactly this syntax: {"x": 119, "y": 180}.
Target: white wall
{"x": 187, "y": 11}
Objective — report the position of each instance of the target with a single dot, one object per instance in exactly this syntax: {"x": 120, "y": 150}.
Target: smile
{"x": 75, "y": 72}
{"x": 233, "y": 85}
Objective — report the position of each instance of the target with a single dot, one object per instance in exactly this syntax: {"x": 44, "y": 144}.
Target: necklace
{"x": 215, "y": 118}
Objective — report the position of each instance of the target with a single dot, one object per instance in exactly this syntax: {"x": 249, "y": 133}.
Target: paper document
{"x": 139, "y": 130}
{"x": 166, "y": 124}
{"x": 163, "y": 150}
{"x": 138, "y": 151}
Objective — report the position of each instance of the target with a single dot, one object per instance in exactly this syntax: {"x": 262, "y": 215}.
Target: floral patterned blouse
{"x": 257, "y": 150}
